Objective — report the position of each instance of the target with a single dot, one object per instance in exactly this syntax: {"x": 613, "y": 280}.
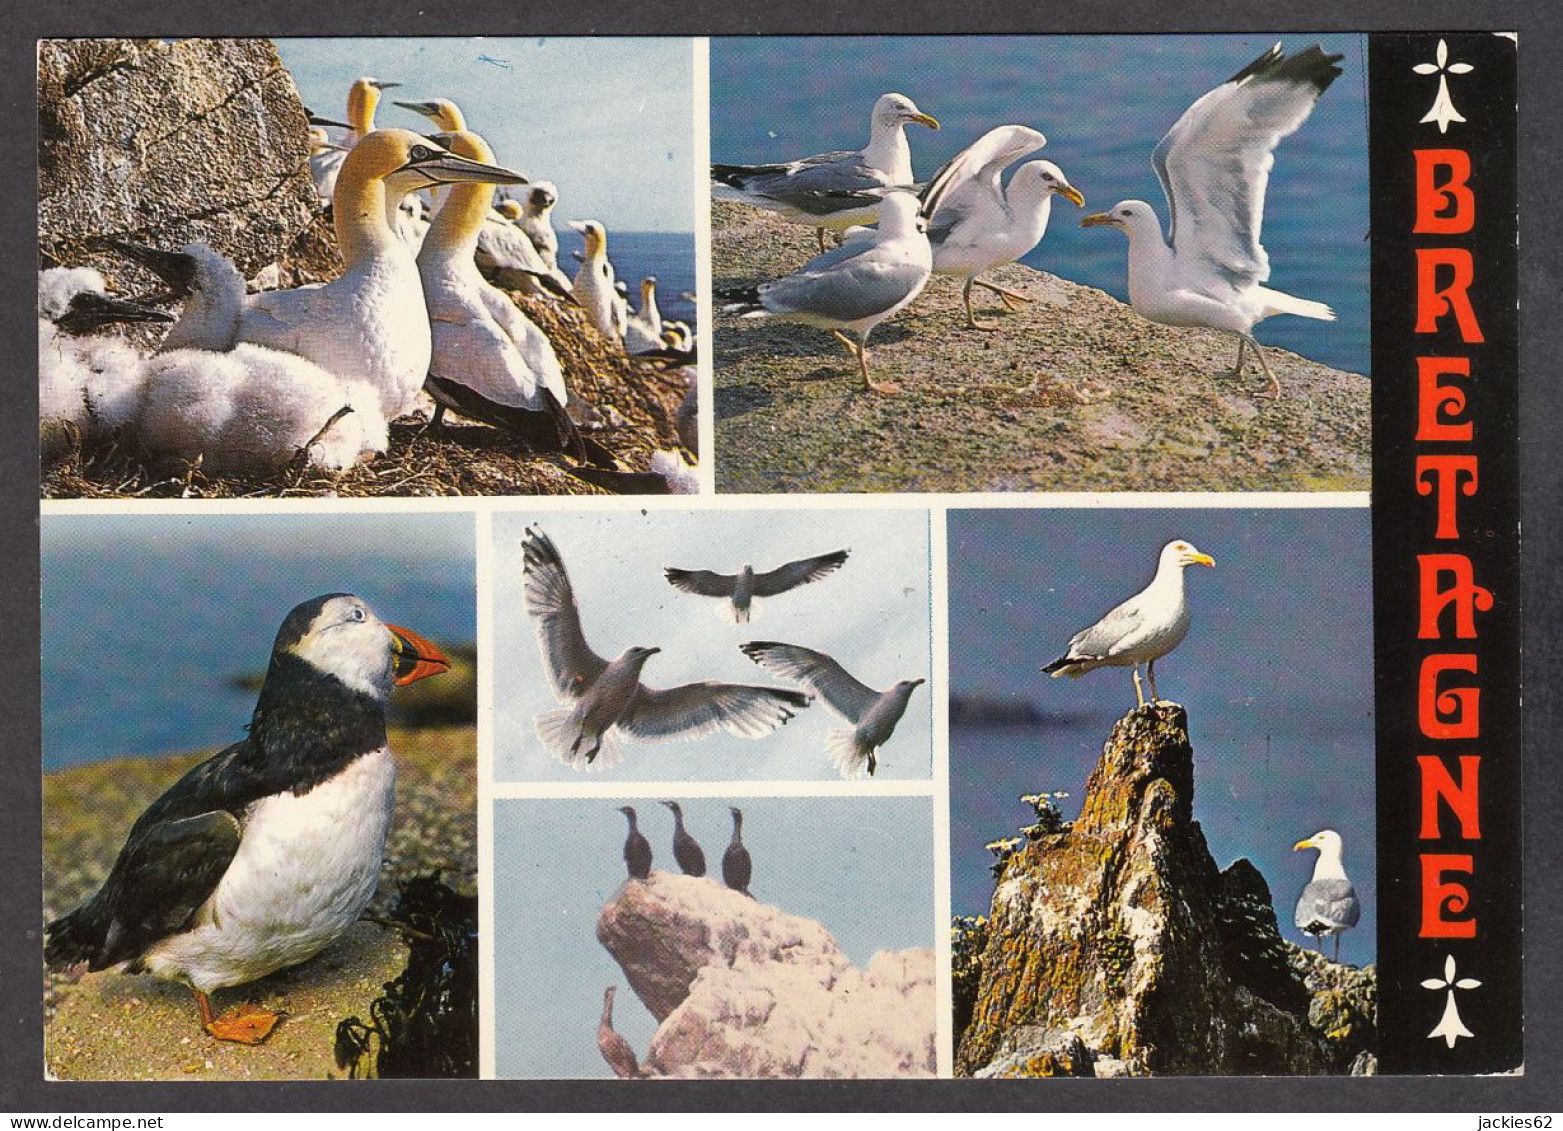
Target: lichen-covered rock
{"x": 1120, "y": 931}
{"x": 1031, "y": 1051}
{"x": 167, "y": 143}
{"x": 743, "y": 989}
{"x": 1343, "y": 1008}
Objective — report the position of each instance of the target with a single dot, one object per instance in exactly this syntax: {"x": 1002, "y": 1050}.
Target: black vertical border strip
{"x": 1404, "y": 524}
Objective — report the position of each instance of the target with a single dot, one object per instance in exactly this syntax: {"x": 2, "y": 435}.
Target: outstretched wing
{"x": 695, "y": 709}
{"x": 1214, "y": 164}
{"x": 816, "y": 671}
{"x": 572, "y": 665}
{"x": 700, "y": 581}
{"x": 794, "y": 574}
{"x": 975, "y": 171}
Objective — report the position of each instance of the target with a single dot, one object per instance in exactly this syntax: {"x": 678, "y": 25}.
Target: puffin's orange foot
{"x": 246, "y": 1024}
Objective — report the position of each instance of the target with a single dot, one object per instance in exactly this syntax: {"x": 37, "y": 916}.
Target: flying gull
{"x": 1141, "y": 630}
{"x": 869, "y": 278}
{"x": 1328, "y": 904}
{"x": 740, "y": 591}
{"x": 980, "y": 224}
{"x": 817, "y": 190}
{"x": 873, "y": 714}
{"x": 605, "y": 700}
{"x": 1214, "y": 166}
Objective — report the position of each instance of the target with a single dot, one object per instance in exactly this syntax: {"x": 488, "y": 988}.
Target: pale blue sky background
{"x": 872, "y": 615}
{"x": 861, "y": 866}
{"x": 608, "y": 120}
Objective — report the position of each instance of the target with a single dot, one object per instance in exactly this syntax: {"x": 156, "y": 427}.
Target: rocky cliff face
{"x": 1116, "y": 947}
{"x": 743, "y": 989}
{"x": 169, "y": 143}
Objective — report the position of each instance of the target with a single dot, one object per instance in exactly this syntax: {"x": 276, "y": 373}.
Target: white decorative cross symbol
{"x": 1450, "y": 1027}
{"x": 1443, "y": 111}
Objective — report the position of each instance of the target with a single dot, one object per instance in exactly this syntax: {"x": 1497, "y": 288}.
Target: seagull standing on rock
{"x": 1214, "y": 166}
{"x": 1141, "y": 630}
{"x": 1328, "y": 904}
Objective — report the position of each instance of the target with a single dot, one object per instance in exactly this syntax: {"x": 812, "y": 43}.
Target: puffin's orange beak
{"x": 416, "y": 657}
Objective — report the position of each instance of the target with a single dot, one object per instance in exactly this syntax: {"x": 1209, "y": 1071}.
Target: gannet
{"x": 85, "y": 381}
{"x": 1141, "y": 630}
{"x": 535, "y": 220}
{"x": 594, "y": 282}
{"x": 260, "y": 856}
{"x": 686, "y": 849}
{"x": 505, "y": 254}
{"x": 737, "y": 867}
{"x": 740, "y": 592}
{"x": 371, "y": 323}
{"x": 643, "y": 329}
{"x": 980, "y": 224}
{"x": 1214, "y": 166}
{"x": 809, "y": 191}
{"x": 606, "y": 700}
{"x": 854, "y": 750}
{"x": 490, "y": 362}
{"x": 363, "y": 98}
{"x": 1328, "y": 904}
{"x": 869, "y": 278}
{"x": 441, "y": 111}
{"x": 206, "y": 283}
{"x": 637, "y": 849}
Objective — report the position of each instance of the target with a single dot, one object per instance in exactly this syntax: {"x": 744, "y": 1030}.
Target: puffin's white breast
{"x": 306, "y": 868}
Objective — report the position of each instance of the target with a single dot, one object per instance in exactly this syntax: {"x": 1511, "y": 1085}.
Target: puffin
{"x": 261, "y": 856}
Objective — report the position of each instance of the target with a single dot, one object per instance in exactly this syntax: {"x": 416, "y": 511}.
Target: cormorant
{"x": 637, "y": 849}
{"x": 685, "y": 850}
{"x": 737, "y": 867}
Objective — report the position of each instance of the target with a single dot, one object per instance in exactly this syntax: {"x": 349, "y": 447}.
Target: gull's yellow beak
{"x": 1303, "y": 844}
{"x": 1203, "y": 559}
{"x": 1070, "y": 193}
{"x": 1097, "y": 220}
{"x": 925, "y": 119}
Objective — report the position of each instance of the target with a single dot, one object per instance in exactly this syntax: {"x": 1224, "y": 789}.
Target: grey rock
{"x": 1032, "y": 1051}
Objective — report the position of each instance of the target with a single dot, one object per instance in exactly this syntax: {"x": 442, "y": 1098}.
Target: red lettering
{"x": 1439, "y": 785}
{"x": 1447, "y": 209}
{"x": 1448, "y": 712}
{"x": 1441, "y": 897}
{"x": 1451, "y": 476}
{"x": 1433, "y": 301}
{"x": 1464, "y": 594}
{"x": 1440, "y": 403}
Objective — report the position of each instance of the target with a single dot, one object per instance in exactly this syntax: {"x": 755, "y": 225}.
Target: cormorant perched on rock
{"x": 737, "y": 867}
{"x": 685, "y": 850}
{"x": 614, "y": 1048}
{"x": 637, "y": 849}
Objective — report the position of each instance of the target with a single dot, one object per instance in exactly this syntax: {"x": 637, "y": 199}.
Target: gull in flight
{"x": 606, "y": 700}
{"x": 981, "y": 224}
{"x": 740, "y": 590}
{"x": 1214, "y": 166}
{"x": 1141, "y": 630}
{"x": 854, "y": 750}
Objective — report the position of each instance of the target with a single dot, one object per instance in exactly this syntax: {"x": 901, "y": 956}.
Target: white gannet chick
{"x": 490, "y": 361}
{"x": 816, "y": 190}
{"x": 208, "y": 284}
{"x": 363, "y": 98}
{"x": 250, "y": 411}
{"x": 869, "y": 278}
{"x": 371, "y": 323}
{"x": 1141, "y": 630}
{"x": 506, "y": 256}
{"x": 594, "y": 288}
{"x": 536, "y": 220}
{"x": 1328, "y": 904}
{"x": 643, "y": 330}
{"x": 980, "y": 224}
{"x": 85, "y": 380}
{"x": 1214, "y": 166}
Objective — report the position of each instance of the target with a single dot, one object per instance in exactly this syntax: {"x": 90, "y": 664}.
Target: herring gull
{"x": 740, "y": 590}
{"x": 1141, "y": 630}
{"x": 606, "y": 700}
{"x": 1328, "y": 904}
{"x": 817, "y": 190}
{"x": 854, "y": 750}
{"x": 1214, "y": 166}
{"x": 981, "y": 224}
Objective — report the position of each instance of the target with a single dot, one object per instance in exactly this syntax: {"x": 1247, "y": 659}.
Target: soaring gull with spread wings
{"x": 741, "y": 590}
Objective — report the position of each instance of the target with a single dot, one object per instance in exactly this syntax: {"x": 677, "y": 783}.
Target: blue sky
{"x": 608, "y": 120}
{"x": 872, "y": 615}
{"x": 862, "y": 866}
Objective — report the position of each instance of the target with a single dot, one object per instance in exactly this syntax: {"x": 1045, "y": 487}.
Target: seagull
{"x": 606, "y": 700}
{"x": 981, "y": 225}
{"x": 1141, "y": 630}
{"x": 1328, "y": 904}
{"x": 873, "y": 275}
{"x": 1214, "y": 166}
{"x": 816, "y": 190}
{"x": 686, "y": 850}
{"x": 740, "y": 590}
{"x": 259, "y": 857}
{"x": 873, "y": 714}
{"x": 637, "y": 849}
{"x": 737, "y": 867}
